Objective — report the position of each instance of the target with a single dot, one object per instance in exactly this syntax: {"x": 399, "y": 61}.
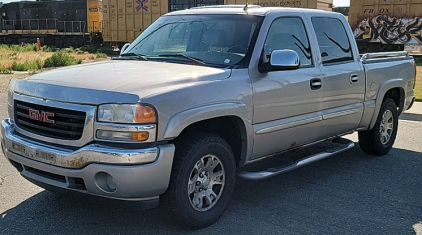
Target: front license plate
{"x": 45, "y": 156}
{"x": 34, "y": 154}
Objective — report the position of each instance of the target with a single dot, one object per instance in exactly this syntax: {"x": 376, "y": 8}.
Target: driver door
{"x": 287, "y": 103}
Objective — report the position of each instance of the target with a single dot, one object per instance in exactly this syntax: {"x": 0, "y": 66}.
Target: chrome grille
{"x": 61, "y": 123}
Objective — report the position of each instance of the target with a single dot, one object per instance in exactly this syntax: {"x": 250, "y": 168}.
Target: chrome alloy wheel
{"x": 206, "y": 183}
{"x": 386, "y": 126}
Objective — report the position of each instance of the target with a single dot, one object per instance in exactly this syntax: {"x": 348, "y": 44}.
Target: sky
{"x": 337, "y": 3}
{"x": 341, "y": 3}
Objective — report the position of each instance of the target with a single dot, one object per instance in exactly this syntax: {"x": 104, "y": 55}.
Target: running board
{"x": 270, "y": 172}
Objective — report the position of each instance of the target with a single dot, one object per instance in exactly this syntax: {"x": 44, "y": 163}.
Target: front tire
{"x": 380, "y": 139}
{"x": 202, "y": 180}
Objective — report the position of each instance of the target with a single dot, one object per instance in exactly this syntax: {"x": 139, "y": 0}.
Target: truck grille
{"x": 49, "y": 121}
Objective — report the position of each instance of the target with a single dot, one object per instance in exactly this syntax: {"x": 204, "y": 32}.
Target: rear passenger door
{"x": 343, "y": 77}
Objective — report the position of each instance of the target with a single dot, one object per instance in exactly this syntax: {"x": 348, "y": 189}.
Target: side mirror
{"x": 281, "y": 60}
{"x": 124, "y": 47}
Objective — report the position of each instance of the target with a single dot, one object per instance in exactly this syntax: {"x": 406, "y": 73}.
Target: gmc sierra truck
{"x": 195, "y": 98}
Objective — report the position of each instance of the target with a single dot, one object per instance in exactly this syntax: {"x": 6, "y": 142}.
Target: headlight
{"x": 126, "y": 113}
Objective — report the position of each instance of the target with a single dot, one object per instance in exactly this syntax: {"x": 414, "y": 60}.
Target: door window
{"x": 289, "y": 33}
{"x": 332, "y": 38}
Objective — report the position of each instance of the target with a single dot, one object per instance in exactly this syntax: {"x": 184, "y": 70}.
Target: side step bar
{"x": 345, "y": 144}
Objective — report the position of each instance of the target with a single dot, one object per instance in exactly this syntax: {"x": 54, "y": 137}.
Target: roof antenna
{"x": 246, "y": 8}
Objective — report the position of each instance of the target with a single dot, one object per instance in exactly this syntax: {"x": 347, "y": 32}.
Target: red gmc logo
{"x": 40, "y": 116}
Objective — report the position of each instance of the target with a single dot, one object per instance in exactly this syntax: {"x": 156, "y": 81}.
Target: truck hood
{"x": 108, "y": 79}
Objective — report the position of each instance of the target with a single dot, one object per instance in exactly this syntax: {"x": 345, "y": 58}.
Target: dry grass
{"x": 8, "y": 57}
{"x": 418, "y": 87}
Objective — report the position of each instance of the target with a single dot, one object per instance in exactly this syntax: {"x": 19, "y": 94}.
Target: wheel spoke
{"x": 217, "y": 174}
{"x": 387, "y": 136}
{"x": 194, "y": 177}
{"x": 217, "y": 177}
{"x": 387, "y": 116}
{"x": 209, "y": 162}
{"x": 191, "y": 188}
{"x": 197, "y": 200}
{"x": 199, "y": 165}
{"x": 210, "y": 196}
{"x": 215, "y": 163}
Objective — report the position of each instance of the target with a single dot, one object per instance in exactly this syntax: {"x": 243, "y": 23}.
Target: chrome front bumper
{"x": 128, "y": 174}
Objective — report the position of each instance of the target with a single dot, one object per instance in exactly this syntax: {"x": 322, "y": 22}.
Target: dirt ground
{"x": 5, "y": 79}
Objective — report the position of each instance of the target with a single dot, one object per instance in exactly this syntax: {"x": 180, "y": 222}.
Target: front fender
{"x": 386, "y": 86}
{"x": 180, "y": 121}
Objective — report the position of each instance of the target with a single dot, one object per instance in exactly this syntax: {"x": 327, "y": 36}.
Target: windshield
{"x": 212, "y": 40}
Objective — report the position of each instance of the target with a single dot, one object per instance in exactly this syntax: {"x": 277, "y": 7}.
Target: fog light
{"x": 105, "y": 182}
{"x": 122, "y": 136}
{"x": 111, "y": 183}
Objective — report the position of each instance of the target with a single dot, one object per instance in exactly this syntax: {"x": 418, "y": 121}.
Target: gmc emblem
{"x": 40, "y": 116}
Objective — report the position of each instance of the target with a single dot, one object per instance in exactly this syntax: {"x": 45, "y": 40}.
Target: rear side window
{"x": 332, "y": 38}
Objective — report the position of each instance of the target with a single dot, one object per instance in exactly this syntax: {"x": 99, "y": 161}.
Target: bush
{"x": 30, "y": 47}
{"x": 69, "y": 50}
{"x": 33, "y": 72}
{"x": 59, "y": 58}
{"x": 13, "y": 47}
{"x": 5, "y": 70}
{"x": 27, "y": 65}
{"x": 89, "y": 49}
{"x": 418, "y": 60}
{"x": 40, "y": 63}
{"x": 47, "y": 49}
{"x": 101, "y": 55}
{"x": 17, "y": 47}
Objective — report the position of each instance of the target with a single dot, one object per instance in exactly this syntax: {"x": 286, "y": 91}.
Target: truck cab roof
{"x": 247, "y": 9}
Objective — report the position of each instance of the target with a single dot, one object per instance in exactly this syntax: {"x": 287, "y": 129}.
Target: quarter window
{"x": 289, "y": 33}
{"x": 332, "y": 38}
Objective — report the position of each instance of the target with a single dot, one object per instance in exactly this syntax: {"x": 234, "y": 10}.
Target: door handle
{"x": 354, "y": 78}
{"x": 316, "y": 83}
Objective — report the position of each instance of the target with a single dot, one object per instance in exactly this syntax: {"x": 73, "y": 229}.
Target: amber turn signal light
{"x": 145, "y": 114}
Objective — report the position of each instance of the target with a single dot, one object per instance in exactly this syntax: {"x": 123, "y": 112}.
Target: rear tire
{"x": 202, "y": 180}
{"x": 380, "y": 139}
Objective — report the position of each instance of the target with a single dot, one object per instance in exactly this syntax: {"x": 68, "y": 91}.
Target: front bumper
{"x": 127, "y": 174}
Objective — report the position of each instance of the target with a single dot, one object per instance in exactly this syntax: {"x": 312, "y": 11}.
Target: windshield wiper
{"x": 132, "y": 55}
{"x": 196, "y": 60}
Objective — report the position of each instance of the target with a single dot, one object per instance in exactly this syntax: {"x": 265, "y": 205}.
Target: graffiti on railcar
{"x": 390, "y": 30}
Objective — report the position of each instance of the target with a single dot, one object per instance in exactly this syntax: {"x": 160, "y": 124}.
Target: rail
{"x": 384, "y": 55}
{"x": 44, "y": 26}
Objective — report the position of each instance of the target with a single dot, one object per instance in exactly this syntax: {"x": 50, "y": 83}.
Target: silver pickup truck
{"x": 195, "y": 98}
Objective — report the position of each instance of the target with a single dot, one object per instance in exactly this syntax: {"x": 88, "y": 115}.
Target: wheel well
{"x": 397, "y": 95}
{"x": 230, "y": 128}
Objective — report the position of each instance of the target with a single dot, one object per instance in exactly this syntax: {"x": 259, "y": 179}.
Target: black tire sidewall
{"x": 186, "y": 213}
